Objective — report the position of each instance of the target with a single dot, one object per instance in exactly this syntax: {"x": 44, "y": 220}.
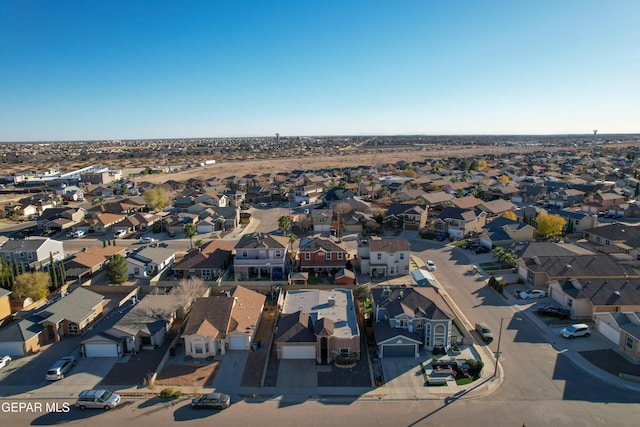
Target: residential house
{"x": 322, "y": 254}
{"x": 540, "y": 271}
{"x": 32, "y": 252}
{"x": 567, "y": 197}
{"x": 102, "y": 223}
{"x": 87, "y": 263}
{"x": 602, "y": 202}
{"x": 261, "y": 256}
{"x": 22, "y": 337}
{"x": 218, "y": 324}
{"x": 321, "y": 220}
{"x": 466, "y": 202}
{"x": 408, "y": 319}
{"x": 137, "y": 222}
{"x": 71, "y": 314}
{"x": 459, "y": 223}
{"x": 504, "y": 232}
{"x": 236, "y": 198}
{"x": 496, "y": 207}
{"x": 576, "y": 221}
{"x": 622, "y": 328}
{"x": 5, "y": 305}
{"x": 212, "y": 198}
{"x": 409, "y": 217}
{"x": 616, "y": 237}
{"x": 149, "y": 261}
{"x": 318, "y": 324}
{"x": 384, "y": 257}
{"x": 438, "y": 199}
{"x": 146, "y": 325}
{"x": 60, "y": 219}
{"x": 209, "y": 262}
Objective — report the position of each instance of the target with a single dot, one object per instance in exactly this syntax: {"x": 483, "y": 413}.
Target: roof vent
{"x": 616, "y": 293}
{"x": 568, "y": 266}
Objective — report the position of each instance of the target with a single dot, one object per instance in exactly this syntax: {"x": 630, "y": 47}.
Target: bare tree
{"x": 189, "y": 289}
{"x": 340, "y": 209}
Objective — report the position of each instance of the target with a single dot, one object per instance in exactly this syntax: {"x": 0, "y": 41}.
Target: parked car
{"x": 120, "y": 234}
{"x": 4, "y": 361}
{"x": 77, "y": 234}
{"x": 577, "y": 330}
{"x": 554, "y": 311}
{"x": 480, "y": 250}
{"x": 212, "y": 400}
{"x": 147, "y": 239}
{"x": 485, "y": 332}
{"x": 61, "y": 367}
{"x": 97, "y": 399}
{"x": 534, "y": 293}
{"x": 442, "y": 236}
{"x": 431, "y": 266}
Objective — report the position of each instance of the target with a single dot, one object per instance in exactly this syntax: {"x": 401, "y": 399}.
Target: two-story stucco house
{"x": 384, "y": 257}
{"x": 32, "y": 251}
{"x": 409, "y": 319}
{"x": 261, "y": 256}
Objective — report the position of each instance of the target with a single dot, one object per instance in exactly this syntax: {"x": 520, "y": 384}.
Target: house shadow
{"x": 582, "y": 386}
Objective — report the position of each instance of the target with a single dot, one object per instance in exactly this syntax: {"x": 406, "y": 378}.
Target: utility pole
{"x": 495, "y": 372}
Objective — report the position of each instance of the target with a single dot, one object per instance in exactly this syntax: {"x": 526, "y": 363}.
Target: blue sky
{"x": 109, "y": 69}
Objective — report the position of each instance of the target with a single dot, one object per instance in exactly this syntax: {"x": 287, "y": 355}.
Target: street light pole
{"x": 495, "y": 372}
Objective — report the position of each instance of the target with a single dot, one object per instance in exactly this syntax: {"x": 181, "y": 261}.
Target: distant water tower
{"x": 595, "y": 131}
{"x": 277, "y": 137}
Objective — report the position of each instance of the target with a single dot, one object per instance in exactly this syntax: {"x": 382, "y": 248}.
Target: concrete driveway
{"x": 297, "y": 373}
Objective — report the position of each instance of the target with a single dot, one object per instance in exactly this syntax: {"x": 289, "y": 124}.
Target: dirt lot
{"x": 188, "y": 375}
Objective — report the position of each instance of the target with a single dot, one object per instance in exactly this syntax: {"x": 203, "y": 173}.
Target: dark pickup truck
{"x": 554, "y": 311}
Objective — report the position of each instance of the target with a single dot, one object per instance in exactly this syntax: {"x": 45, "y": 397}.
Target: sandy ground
{"x": 372, "y": 157}
{"x": 188, "y": 375}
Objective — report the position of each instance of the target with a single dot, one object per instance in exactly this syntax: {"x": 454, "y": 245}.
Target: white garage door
{"x": 299, "y": 352}
{"x": 101, "y": 349}
{"x": 237, "y": 343}
{"x": 609, "y": 332}
{"x": 12, "y": 349}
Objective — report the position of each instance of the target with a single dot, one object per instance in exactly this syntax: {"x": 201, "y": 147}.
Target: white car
{"x": 431, "y": 266}
{"x": 577, "y": 330}
{"x": 4, "y": 361}
{"x": 534, "y": 293}
{"x": 119, "y": 234}
{"x": 78, "y": 233}
{"x": 147, "y": 239}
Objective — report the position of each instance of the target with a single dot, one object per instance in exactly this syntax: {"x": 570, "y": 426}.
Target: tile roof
{"x": 390, "y": 245}
{"x": 416, "y": 302}
{"x": 209, "y": 317}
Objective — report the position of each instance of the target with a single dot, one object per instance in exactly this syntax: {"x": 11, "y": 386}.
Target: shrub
{"x": 475, "y": 367}
{"x": 168, "y": 393}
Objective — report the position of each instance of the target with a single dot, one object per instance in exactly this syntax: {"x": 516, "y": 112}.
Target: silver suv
{"x": 61, "y": 367}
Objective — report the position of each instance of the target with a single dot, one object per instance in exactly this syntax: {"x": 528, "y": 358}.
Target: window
{"x": 428, "y": 335}
{"x": 379, "y": 257}
{"x": 607, "y": 242}
{"x": 418, "y": 324}
{"x": 570, "y": 303}
{"x": 629, "y": 342}
{"x": 340, "y": 254}
{"x": 344, "y": 352}
{"x": 328, "y": 256}
{"x": 73, "y": 328}
{"x": 307, "y": 256}
{"x": 401, "y": 255}
{"x": 245, "y": 254}
{"x": 403, "y": 323}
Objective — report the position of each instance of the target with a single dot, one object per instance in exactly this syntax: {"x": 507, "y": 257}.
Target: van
{"x": 97, "y": 399}
{"x": 61, "y": 367}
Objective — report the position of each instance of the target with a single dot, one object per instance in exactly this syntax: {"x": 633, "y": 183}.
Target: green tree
{"x": 199, "y": 243}
{"x": 190, "y": 230}
{"x": 156, "y": 198}
{"x": 361, "y": 293}
{"x": 284, "y": 223}
{"x": 31, "y": 285}
{"x": 117, "y": 269}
